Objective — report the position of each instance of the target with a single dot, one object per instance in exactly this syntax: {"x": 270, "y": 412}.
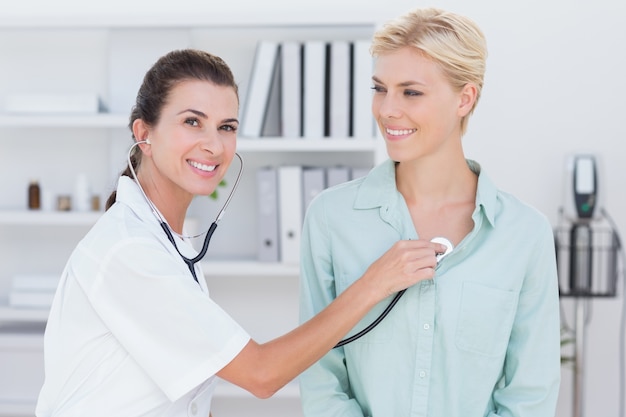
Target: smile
{"x": 202, "y": 167}
{"x": 399, "y": 132}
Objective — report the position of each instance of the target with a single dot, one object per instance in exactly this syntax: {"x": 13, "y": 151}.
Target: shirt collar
{"x": 378, "y": 189}
{"x": 128, "y": 192}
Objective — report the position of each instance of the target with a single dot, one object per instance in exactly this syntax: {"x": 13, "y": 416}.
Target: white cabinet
{"x": 77, "y": 58}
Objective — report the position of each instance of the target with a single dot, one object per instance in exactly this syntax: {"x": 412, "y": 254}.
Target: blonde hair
{"x": 454, "y": 42}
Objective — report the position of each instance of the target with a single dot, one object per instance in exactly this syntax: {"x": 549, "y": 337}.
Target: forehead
{"x": 202, "y": 93}
{"x": 406, "y": 64}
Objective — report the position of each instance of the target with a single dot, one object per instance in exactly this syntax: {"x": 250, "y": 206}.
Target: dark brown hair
{"x": 161, "y": 78}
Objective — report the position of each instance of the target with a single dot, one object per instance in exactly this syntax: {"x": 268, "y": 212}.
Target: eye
{"x": 413, "y": 93}
{"x": 229, "y": 127}
{"x": 378, "y": 89}
{"x": 192, "y": 121}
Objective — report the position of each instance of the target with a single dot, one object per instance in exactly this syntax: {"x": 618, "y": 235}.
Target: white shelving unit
{"x": 74, "y": 53}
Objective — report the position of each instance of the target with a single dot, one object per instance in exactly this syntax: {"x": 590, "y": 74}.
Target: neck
{"x": 433, "y": 182}
{"x": 171, "y": 203}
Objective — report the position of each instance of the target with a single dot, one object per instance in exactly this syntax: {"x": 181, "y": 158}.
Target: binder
{"x": 362, "y": 119}
{"x": 271, "y": 118}
{"x": 339, "y": 89}
{"x": 267, "y": 212}
{"x": 314, "y": 79}
{"x": 291, "y": 89}
{"x": 337, "y": 175}
{"x": 313, "y": 182}
{"x": 290, "y": 212}
{"x": 259, "y": 87}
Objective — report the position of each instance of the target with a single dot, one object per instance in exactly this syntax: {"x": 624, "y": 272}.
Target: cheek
{"x": 376, "y": 104}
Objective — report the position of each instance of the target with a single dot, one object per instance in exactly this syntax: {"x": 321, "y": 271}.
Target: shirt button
{"x": 422, "y": 374}
{"x": 194, "y": 408}
{"x": 426, "y": 326}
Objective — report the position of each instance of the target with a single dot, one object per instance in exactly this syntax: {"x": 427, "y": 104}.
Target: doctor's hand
{"x": 404, "y": 264}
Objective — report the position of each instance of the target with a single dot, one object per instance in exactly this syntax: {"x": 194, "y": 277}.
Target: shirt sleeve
{"x": 148, "y": 300}
{"x": 324, "y": 387}
{"x": 532, "y": 371}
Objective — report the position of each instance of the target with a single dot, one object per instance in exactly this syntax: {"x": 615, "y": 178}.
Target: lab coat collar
{"x": 128, "y": 193}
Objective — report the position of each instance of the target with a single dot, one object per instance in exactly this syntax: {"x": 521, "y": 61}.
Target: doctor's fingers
{"x": 407, "y": 257}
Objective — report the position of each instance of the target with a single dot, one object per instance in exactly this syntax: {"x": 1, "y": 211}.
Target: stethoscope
{"x": 166, "y": 228}
{"x": 396, "y": 298}
{"x": 192, "y": 261}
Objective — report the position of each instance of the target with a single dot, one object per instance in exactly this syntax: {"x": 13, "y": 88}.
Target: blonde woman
{"x": 482, "y": 337}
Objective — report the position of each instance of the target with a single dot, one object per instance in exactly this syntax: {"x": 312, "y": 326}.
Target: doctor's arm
{"x": 532, "y": 365}
{"x": 263, "y": 369}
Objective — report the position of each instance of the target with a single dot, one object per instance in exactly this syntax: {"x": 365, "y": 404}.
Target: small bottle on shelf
{"x": 34, "y": 195}
{"x": 81, "y": 199}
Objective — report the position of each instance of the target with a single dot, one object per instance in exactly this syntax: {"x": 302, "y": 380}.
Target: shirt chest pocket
{"x": 485, "y": 320}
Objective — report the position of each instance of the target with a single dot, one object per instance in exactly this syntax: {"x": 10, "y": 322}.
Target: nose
{"x": 386, "y": 106}
{"x": 211, "y": 141}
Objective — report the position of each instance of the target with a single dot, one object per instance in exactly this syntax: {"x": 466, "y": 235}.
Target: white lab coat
{"x": 130, "y": 332}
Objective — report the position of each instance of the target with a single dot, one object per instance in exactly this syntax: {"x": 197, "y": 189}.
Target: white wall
{"x": 555, "y": 85}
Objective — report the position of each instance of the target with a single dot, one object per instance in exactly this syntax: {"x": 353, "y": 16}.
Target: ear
{"x": 467, "y": 96}
{"x": 141, "y": 133}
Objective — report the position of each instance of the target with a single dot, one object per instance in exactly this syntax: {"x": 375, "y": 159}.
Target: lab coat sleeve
{"x": 532, "y": 366}
{"x": 148, "y": 300}
{"x": 324, "y": 387}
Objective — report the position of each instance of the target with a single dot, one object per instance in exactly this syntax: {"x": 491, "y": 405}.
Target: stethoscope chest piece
{"x": 446, "y": 243}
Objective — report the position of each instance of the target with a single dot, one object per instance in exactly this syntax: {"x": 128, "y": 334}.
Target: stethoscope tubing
{"x": 190, "y": 262}
{"x": 395, "y": 299}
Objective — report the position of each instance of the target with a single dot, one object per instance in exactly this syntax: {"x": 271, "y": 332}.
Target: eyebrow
{"x": 204, "y": 116}
{"x": 196, "y": 112}
{"x": 402, "y": 84}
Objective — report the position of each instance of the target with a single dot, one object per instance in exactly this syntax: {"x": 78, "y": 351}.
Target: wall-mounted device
{"x": 581, "y": 187}
{"x": 583, "y": 196}
{"x": 586, "y": 241}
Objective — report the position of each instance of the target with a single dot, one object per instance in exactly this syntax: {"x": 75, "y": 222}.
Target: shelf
{"x": 266, "y": 144}
{"x": 13, "y": 408}
{"x": 10, "y": 314}
{"x": 100, "y": 120}
{"x": 246, "y": 268}
{"x": 21, "y": 336}
{"x": 48, "y": 218}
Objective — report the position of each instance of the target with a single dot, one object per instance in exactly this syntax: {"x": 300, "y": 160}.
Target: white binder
{"x": 362, "y": 119}
{"x": 267, "y": 198}
{"x": 339, "y": 91}
{"x": 314, "y": 87}
{"x": 290, "y": 212}
{"x": 259, "y": 88}
{"x": 291, "y": 89}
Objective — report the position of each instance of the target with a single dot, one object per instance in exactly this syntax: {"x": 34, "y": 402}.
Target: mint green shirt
{"x": 480, "y": 339}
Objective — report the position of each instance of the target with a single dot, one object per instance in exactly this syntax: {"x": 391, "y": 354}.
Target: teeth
{"x": 208, "y": 168}
{"x": 400, "y": 131}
